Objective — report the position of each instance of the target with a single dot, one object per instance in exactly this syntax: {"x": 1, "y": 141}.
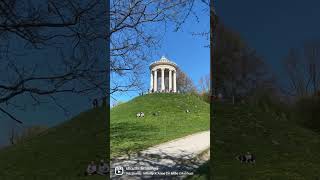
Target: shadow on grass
{"x": 127, "y": 138}
{"x": 201, "y": 173}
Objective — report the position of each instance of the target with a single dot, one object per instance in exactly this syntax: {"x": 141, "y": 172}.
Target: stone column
{"x": 155, "y": 88}
{"x": 162, "y": 80}
{"x": 151, "y": 80}
{"x": 170, "y": 80}
{"x": 174, "y": 81}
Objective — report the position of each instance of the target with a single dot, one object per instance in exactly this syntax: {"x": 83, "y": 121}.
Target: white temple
{"x": 164, "y": 73}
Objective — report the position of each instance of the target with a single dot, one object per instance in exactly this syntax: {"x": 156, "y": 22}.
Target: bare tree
{"x": 204, "y": 84}
{"x": 303, "y": 70}
{"x": 26, "y": 134}
{"x": 312, "y": 55}
{"x": 72, "y": 29}
{"x": 184, "y": 82}
{"x": 136, "y": 30}
{"x": 296, "y": 70}
{"x": 237, "y": 69}
{"x": 12, "y": 137}
{"x": 78, "y": 31}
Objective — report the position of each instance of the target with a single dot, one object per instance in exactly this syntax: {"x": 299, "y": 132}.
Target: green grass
{"x": 283, "y": 149}
{"x": 130, "y": 134}
{"x": 62, "y": 152}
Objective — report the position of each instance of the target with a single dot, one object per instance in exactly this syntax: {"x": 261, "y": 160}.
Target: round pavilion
{"x": 163, "y": 76}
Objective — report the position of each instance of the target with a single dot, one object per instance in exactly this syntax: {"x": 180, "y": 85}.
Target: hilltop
{"x": 165, "y": 119}
{"x": 62, "y": 152}
{"x": 283, "y": 149}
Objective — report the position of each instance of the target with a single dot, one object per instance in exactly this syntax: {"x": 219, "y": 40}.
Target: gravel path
{"x": 171, "y": 160}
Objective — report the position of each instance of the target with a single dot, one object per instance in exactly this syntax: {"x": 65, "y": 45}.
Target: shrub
{"x": 307, "y": 111}
{"x": 205, "y": 97}
{"x": 271, "y": 103}
{"x": 29, "y": 133}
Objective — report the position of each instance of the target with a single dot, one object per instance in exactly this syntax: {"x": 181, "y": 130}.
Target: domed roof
{"x": 164, "y": 61}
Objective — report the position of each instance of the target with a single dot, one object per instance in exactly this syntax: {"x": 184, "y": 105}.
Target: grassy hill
{"x": 283, "y": 149}
{"x": 130, "y": 134}
{"x": 62, "y": 152}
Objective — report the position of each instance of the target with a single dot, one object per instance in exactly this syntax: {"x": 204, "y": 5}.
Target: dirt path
{"x": 171, "y": 160}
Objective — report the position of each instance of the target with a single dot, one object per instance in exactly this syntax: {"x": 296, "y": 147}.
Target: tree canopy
{"x": 237, "y": 69}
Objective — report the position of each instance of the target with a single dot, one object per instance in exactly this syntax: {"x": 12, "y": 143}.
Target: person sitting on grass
{"x": 91, "y": 169}
{"x": 250, "y": 158}
{"x": 241, "y": 158}
{"x": 103, "y": 168}
{"x": 246, "y": 158}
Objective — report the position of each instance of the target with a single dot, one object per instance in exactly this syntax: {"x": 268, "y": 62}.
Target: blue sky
{"x": 47, "y": 114}
{"x": 273, "y": 26}
{"x": 182, "y": 47}
{"x": 187, "y": 50}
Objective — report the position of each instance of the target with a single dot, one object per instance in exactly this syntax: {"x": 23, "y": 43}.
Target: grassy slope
{"x": 62, "y": 152}
{"x": 129, "y": 134}
{"x": 238, "y": 129}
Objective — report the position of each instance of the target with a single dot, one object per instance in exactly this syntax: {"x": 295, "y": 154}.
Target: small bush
{"x": 205, "y": 97}
{"x": 307, "y": 111}
{"x": 269, "y": 103}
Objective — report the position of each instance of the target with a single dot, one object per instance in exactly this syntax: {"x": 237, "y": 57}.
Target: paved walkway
{"x": 171, "y": 160}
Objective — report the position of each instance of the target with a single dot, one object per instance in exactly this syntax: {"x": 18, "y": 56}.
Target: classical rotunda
{"x": 163, "y": 76}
